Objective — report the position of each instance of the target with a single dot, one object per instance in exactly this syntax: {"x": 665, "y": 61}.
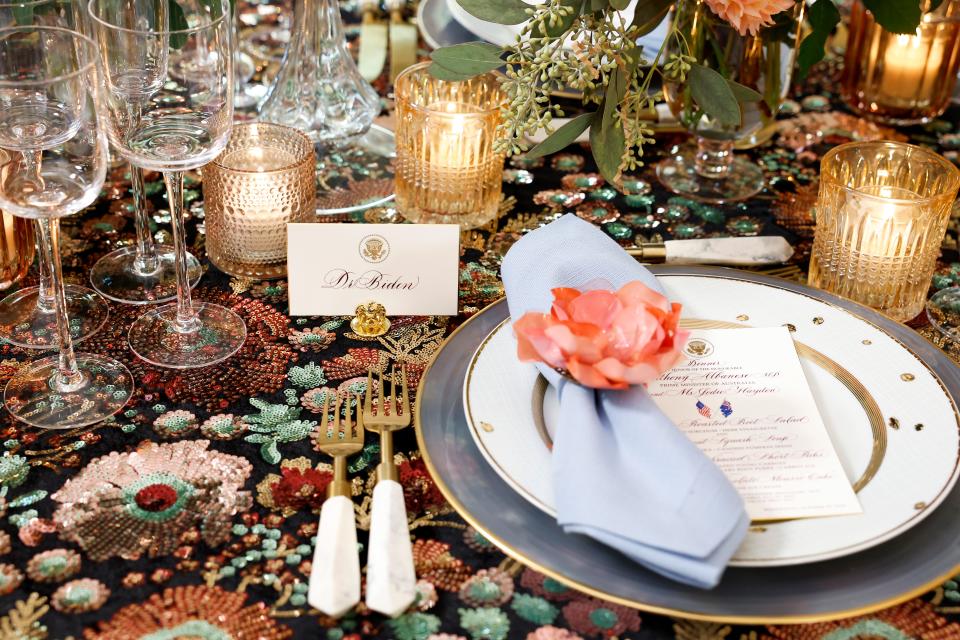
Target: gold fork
{"x": 391, "y": 579}
{"x": 335, "y": 574}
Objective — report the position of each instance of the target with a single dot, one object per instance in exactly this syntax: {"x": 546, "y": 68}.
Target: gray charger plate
{"x": 906, "y": 567}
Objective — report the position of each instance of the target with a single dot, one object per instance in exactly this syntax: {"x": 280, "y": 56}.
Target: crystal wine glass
{"x": 27, "y": 316}
{"x": 184, "y": 47}
{"x": 55, "y": 165}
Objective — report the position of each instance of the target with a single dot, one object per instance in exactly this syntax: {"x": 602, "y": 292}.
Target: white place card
{"x": 411, "y": 269}
{"x": 742, "y": 397}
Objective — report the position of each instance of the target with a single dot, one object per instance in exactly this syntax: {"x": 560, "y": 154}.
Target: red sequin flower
{"x": 299, "y": 486}
{"x": 420, "y": 492}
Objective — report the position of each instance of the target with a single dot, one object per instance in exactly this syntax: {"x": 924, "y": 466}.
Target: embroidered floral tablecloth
{"x": 192, "y": 513}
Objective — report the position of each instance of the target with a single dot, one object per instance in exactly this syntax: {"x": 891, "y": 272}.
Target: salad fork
{"x": 335, "y": 576}
{"x": 391, "y": 579}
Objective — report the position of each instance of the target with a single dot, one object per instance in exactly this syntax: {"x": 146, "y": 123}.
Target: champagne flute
{"x": 146, "y": 46}
{"x": 55, "y": 166}
{"x": 28, "y": 315}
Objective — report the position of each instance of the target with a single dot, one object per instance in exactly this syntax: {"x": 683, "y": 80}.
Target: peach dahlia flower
{"x": 747, "y": 16}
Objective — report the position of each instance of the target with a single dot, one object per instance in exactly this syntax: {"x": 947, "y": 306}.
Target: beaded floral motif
{"x": 590, "y": 616}
{"x": 546, "y": 587}
{"x": 487, "y": 587}
{"x": 913, "y": 619}
{"x": 174, "y": 424}
{"x": 125, "y": 504}
{"x": 275, "y": 424}
{"x": 488, "y": 623}
{"x": 223, "y": 426}
{"x": 552, "y": 633}
{"x": 80, "y": 596}
{"x": 313, "y": 339}
{"x": 10, "y": 578}
{"x": 13, "y": 470}
{"x": 192, "y": 611}
{"x": 55, "y": 565}
{"x": 299, "y": 486}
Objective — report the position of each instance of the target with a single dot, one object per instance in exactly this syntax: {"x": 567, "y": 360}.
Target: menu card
{"x": 742, "y": 397}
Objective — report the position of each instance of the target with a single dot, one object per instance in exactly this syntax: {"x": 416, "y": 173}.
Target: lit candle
{"x": 263, "y": 180}
{"x": 911, "y": 64}
{"x": 886, "y": 215}
{"x": 454, "y": 140}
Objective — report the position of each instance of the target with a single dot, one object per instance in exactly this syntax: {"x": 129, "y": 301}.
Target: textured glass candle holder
{"x": 902, "y": 79}
{"x": 447, "y": 170}
{"x": 881, "y": 217}
{"x": 262, "y": 180}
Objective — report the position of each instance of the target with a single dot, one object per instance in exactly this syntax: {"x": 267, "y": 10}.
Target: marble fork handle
{"x": 391, "y": 579}
{"x": 335, "y": 574}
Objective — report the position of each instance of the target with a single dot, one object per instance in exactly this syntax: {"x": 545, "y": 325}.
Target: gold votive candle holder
{"x": 902, "y": 78}
{"x": 881, "y": 217}
{"x": 17, "y": 248}
{"x": 447, "y": 170}
{"x": 262, "y": 180}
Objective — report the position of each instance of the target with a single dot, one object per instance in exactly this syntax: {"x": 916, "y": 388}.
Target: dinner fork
{"x": 391, "y": 579}
{"x": 335, "y": 574}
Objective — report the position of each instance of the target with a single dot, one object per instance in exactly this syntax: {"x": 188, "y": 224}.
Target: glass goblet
{"x": 143, "y": 50}
{"x": 55, "y": 166}
{"x": 27, "y": 316}
{"x": 710, "y": 171}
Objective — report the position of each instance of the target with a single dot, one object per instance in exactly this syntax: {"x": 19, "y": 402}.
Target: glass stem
{"x": 69, "y": 377}
{"x": 187, "y": 320}
{"x": 146, "y": 261}
{"x": 713, "y": 158}
{"x": 45, "y": 299}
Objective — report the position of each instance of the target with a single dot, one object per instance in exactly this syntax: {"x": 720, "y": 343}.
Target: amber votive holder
{"x": 881, "y": 217}
{"x": 447, "y": 170}
{"x": 264, "y": 179}
{"x": 902, "y": 78}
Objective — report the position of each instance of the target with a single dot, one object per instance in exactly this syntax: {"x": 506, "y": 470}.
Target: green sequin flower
{"x": 173, "y": 424}
{"x": 307, "y": 377}
{"x": 13, "y": 470}
{"x": 414, "y": 626}
{"x": 485, "y": 623}
{"x": 274, "y": 424}
{"x": 534, "y": 609}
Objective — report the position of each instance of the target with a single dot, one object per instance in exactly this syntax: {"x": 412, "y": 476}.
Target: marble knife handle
{"x": 391, "y": 579}
{"x": 743, "y": 252}
{"x": 335, "y": 574}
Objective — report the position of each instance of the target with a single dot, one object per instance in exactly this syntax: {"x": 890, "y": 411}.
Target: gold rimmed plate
{"x": 855, "y": 372}
{"x": 868, "y": 577}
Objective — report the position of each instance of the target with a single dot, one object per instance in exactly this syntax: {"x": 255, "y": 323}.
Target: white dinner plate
{"x": 893, "y": 424}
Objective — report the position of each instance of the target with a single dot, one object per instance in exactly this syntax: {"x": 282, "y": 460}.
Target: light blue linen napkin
{"x": 623, "y": 473}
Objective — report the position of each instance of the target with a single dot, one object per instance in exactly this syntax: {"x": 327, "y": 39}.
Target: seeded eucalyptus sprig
{"x": 586, "y": 45}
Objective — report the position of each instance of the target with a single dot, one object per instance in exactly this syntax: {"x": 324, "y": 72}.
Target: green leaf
{"x": 744, "y": 93}
{"x": 23, "y": 15}
{"x": 712, "y": 94}
{"x": 896, "y": 16}
{"x": 823, "y": 17}
{"x": 648, "y": 15}
{"x": 470, "y": 58}
{"x": 567, "y": 21}
{"x": 442, "y": 73}
{"x": 598, "y": 5}
{"x": 178, "y": 22}
{"x": 498, "y": 11}
{"x": 606, "y": 136}
{"x": 565, "y": 135}
{"x": 27, "y": 499}
{"x": 620, "y": 5}
{"x": 270, "y": 453}
{"x": 257, "y": 438}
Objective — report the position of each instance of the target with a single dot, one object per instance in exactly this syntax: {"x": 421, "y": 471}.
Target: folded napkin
{"x": 623, "y": 473}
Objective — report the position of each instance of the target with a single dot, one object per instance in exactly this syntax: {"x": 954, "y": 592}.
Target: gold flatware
{"x": 335, "y": 575}
{"x": 391, "y": 579}
{"x": 373, "y": 42}
{"x": 403, "y": 39}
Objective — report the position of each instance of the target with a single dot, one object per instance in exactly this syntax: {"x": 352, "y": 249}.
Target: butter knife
{"x": 734, "y": 252}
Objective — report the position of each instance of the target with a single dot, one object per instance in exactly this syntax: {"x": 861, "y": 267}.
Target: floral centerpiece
{"x": 588, "y": 46}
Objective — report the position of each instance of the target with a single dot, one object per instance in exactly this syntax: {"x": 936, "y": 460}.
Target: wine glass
{"x": 185, "y": 47}
{"x": 763, "y": 62}
{"x": 56, "y": 161}
{"x": 27, "y": 316}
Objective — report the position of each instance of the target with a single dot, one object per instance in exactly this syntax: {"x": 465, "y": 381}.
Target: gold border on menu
{"x": 598, "y": 593}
